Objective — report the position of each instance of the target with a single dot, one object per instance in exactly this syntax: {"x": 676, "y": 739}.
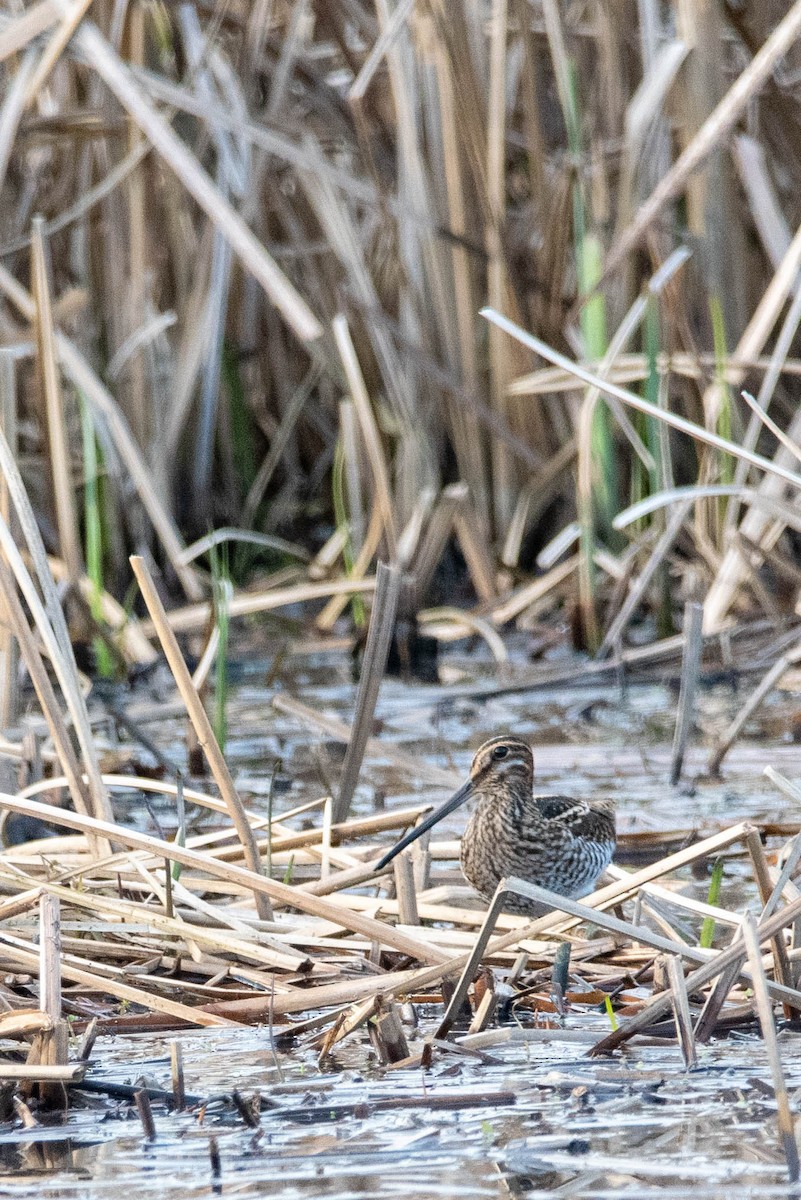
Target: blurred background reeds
{"x": 244, "y": 247}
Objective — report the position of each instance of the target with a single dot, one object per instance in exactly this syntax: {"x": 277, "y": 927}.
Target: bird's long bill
{"x": 429, "y": 822}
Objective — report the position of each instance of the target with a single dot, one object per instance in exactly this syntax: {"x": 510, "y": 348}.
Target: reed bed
{"x": 408, "y": 323}
{"x": 298, "y": 355}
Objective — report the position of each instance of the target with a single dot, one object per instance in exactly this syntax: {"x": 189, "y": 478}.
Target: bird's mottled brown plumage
{"x": 554, "y": 841}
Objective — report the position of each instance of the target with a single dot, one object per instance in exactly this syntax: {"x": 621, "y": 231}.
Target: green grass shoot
{"x": 342, "y": 522}
{"x": 610, "y": 1012}
{"x": 93, "y": 535}
{"x": 708, "y": 927}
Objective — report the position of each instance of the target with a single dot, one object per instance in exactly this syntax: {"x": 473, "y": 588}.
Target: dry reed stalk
{"x": 435, "y": 538}
{"x": 452, "y": 624}
{"x": 406, "y": 890}
{"x": 753, "y": 524}
{"x": 252, "y": 254}
{"x": 280, "y": 892}
{"x": 195, "y": 617}
{"x": 713, "y": 131}
{"x": 698, "y": 432}
{"x": 339, "y": 599}
{"x": 60, "y": 463}
{"x": 660, "y": 1004}
{"x": 9, "y": 654}
{"x": 202, "y": 727}
{"x": 21, "y": 29}
{"x": 11, "y": 111}
{"x": 781, "y": 961}
{"x": 634, "y": 368}
{"x": 129, "y": 637}
{"x": 50, "y": 624}
{"x": 681, "y": 1011}
{"x": 70, "y": 20}
{"x": 14, "y": 950}
{"x": 258, "y": 947}
{"x": 476, "y": 551}
{"x": 614, "y": 634}
{"x": 50, "y": 1047}
{"x": 85, "y": 380}
{"x": 39, "y": 1073}
{"x": 774, "y": 233}
{"x": 752, "y": 936}
{"x": 468, "y": 448}
{"x": 369, "y": 429}
{"x": 531, "y": 593}
{"x": 503, "y": 478}
{"x": 278, "y": 444}
{"x": 19, "y": 628}
{"x": 374, "y": 662}
{"x": 690, "y": 671}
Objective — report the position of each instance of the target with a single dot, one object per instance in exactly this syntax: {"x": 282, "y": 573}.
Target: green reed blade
{"x": 93, "y": 535}
{"x": 713, "y": 896}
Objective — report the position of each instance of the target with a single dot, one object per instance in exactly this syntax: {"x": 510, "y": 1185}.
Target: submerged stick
{"x": 203, "y": 729}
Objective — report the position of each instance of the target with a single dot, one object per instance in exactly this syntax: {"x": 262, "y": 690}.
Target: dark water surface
{"x": 635, "y": 1125}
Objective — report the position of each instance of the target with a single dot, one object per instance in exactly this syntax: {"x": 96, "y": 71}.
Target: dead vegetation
{"x": 243, "y": 252}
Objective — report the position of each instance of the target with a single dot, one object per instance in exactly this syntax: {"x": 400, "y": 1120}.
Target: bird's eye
{"x": 500, "y": 752}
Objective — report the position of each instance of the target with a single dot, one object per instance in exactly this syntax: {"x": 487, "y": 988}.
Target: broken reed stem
{"x": 782, "y": 968}
{"x": 405, "y": 889}
{"x": 203, "y": 729}
{"x": 50, "y": 956}
{"x": 764, "y": 1007}
{"x": 707, "y": 1021}
{"x": 681, "y": 1011}
{"x": 51, "y": 1047}
{"x": 374, "y": 661}
{"x": 690, "y": 670}
{"x": 146, "y": 1114}
{"x": 177, "y": 1071}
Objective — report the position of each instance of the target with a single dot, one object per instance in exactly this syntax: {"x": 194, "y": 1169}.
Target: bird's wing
{"x": 580, "y": 818}
{"x": 557, "y": 808}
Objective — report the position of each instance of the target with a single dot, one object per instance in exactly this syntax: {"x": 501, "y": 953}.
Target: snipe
{"x": 553, "y": 841}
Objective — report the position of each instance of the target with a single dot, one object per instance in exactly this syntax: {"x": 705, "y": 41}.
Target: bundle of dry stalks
{"x": 261, "y": 209}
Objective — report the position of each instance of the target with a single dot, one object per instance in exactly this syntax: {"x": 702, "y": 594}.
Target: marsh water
{"x": 532, "y": 1117}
